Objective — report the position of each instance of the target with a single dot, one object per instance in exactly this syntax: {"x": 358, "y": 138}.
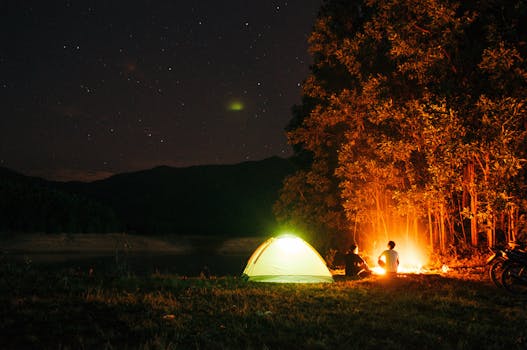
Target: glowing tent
{"x": 287, "y": 259}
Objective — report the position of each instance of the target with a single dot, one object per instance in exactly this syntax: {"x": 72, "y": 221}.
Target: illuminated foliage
{"x": 414, "y": 112}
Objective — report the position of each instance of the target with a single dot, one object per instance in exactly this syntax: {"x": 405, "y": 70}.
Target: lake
{"x": 140, "y": 255}
{"x": 141, "y": 264}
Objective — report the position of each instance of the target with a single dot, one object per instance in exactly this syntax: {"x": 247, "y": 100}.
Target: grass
{"x": 72, "y": 309}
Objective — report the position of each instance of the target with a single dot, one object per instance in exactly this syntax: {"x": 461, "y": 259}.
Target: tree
{"x": 414, "y": 117}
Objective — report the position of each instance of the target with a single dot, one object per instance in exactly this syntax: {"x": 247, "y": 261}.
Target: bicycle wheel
{"x": 514, "y": 278}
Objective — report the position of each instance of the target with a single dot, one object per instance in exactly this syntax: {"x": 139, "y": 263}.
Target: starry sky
{"x": 93, "y": 88}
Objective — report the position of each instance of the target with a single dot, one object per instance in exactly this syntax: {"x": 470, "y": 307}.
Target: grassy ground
{"x": 70, "y": 309}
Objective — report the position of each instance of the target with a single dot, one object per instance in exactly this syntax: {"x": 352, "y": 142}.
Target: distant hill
{"x": 200, "y": 200}
{"x": 29, "y": 204}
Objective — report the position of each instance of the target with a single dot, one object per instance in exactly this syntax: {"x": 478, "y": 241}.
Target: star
{"x": 130, "y": 73}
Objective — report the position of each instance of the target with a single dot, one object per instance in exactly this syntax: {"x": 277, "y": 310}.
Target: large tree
{"x": 414, "y": 120}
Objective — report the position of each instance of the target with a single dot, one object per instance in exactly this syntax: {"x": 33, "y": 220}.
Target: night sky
{"x": 93, "y": 88}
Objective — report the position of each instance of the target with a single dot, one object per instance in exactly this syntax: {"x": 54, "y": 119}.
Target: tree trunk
{"x": 380, "y": 213}
{"x": 442, "y": 231}
{"x": 511, "y": 230}
{"x": 471, "y": 187}
{"x": 489, "y": 210}
{"x": 430, "y": 228}
{"x": 415, "y": 228}
{"x": 491, "y": 232}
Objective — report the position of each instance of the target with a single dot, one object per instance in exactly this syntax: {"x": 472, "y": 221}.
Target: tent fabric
{"x": 287, "y": 259}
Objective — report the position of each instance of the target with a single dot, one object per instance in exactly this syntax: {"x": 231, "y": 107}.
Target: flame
{"x": 377, "y": 270}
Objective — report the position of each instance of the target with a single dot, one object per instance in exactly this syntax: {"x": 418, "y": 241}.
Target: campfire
{"x": 412, "y": 260}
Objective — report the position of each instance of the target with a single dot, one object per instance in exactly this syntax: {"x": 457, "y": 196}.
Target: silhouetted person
{"x": 391, "y": 259}
{"x": 205, "y": 272}
{"x": 355, "y": 265}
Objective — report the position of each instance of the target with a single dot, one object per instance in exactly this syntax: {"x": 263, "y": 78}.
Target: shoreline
{"x": 112, "y": 243}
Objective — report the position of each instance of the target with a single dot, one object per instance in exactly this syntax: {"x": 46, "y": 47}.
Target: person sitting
{"x": 389, "y": 260}
{"x": 355, "y": 265}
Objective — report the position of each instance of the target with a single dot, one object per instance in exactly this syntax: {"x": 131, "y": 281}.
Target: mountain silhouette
{"x": 200, "y": 200}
